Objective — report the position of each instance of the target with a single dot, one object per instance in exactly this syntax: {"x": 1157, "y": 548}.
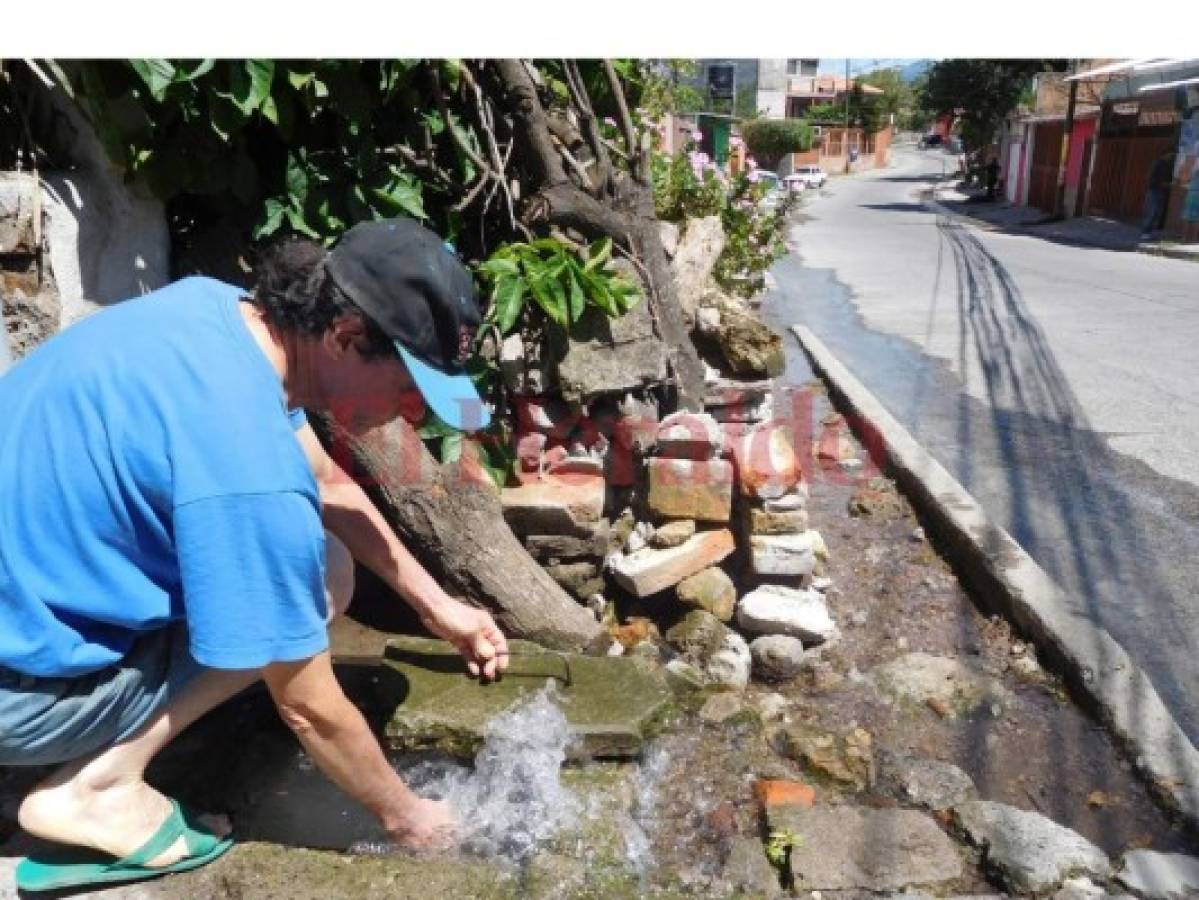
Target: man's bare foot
{"x": 116, "y": 818}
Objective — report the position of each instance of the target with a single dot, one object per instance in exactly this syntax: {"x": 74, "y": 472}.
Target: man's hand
{"x": 425, "y": 825}
{"x": 474, "y": 633}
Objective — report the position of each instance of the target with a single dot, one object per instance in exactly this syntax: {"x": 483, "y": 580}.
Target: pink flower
{"x": 750, "y": 163}
{"x": 608, "y": 120}
{"x": 697, "y": 135}
{"x": 753, "y": 176}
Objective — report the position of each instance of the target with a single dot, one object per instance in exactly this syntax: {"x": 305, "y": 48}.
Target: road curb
{"x": 1000, "y": 570}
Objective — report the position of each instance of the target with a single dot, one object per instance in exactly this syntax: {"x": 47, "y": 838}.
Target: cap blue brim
{"x": 452, "y": 397}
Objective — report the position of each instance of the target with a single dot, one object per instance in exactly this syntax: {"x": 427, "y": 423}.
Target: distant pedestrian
{"x": 992, "y": 178}
{"x": 1157, "y": 195}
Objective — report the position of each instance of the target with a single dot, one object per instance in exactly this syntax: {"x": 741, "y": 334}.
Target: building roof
{"x": 824, "y": 86}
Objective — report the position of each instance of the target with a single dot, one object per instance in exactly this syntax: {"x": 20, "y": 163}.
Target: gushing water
{"x": 513, "y": 800}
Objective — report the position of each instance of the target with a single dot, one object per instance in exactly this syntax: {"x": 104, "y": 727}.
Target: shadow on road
{"x": 1066, "y": 504}
{"x": 896, "y": 207}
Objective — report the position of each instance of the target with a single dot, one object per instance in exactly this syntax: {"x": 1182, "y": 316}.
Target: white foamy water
{"x": 513, "y": 800}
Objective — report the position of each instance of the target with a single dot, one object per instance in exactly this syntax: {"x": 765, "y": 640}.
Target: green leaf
{"x": 156, "y": 73}
{"x": 547, "y": 300}
{"x": 598, "y": 254}
{"x": 451, "y": 448}
{"x": 297, "y": 178}
{"x": 508, "y": 300}
{"x": 272, "y": 219}
{"x": 434, "y": 122}
{"x": 577, "y": 300}
{"x": 499, "y": 266}
{"x": 197, "y": 70}
{"x": 401, "y": 197}
{"x": 300, "y": 80}
{"x": 262, "y": 74}
{"x": 452, "y": 69}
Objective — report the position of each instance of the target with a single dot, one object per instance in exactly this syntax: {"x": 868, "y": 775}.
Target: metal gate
{"x": 1046, "y": 163}
{"x": 1121, "y": 175}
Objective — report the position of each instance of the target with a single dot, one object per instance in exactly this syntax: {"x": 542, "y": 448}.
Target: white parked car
{"x": 809, "y": 176}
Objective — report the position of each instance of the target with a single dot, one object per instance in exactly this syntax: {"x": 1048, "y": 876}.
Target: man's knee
{"x": 339, "y": 576}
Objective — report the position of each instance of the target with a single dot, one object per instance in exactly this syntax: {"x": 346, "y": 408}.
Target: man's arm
{"x": 349, "y": 514}
{"x": 340, "y": 742}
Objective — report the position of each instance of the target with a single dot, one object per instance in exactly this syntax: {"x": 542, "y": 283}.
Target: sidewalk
{"x": 1088, "y": 231}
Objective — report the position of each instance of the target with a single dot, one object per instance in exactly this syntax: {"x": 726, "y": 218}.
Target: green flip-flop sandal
{"x": 68, "y": 867}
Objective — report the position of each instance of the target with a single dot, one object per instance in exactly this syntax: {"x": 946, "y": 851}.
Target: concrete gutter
{"x": 1002, "y": 574}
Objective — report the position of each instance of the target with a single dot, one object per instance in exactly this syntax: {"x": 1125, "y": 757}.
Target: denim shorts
{"x": 53, "y": 720}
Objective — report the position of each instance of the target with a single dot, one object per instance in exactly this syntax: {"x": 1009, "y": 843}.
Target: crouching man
{"x": 171, "y": 531}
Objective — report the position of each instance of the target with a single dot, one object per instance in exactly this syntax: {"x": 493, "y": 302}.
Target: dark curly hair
{"x": 295, "y": 293}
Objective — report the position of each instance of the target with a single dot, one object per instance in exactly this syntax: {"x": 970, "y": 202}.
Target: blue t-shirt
{"x": 150, "y": 472}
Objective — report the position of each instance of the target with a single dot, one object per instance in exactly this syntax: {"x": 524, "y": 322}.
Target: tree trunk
{"x": 556, "y": 200}
{"x": 455, "y": 526}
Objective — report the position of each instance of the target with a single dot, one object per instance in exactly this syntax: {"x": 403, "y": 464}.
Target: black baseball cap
{"x": 414, "y": 288}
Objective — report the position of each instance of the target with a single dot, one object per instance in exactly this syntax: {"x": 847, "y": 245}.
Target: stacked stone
{"x": 558, "y": 509}
{"x": 784, "y": 613}
{"x": 689, "y": 495}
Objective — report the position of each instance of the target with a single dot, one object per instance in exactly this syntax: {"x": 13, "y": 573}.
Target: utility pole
{"x": 1059, "y": 207}
{"x": 847, "y": 93}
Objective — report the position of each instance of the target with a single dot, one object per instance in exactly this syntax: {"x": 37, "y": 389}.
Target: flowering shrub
{"x": 689, "y": 185}
{"x": 686, "y": 186}
{"x": 754, "y": 236}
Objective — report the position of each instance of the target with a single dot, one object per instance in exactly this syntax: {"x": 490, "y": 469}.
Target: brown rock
{"x": 748, "y": 346}
{"x": 633, "y": 632}
{"x": 558, "y": 504}
{"x": 869, "y": 502}
{"x": 761, "y": 521}
{"x": 649, "y": 571}
{"x": 846, "y": 758}
{"x": 689, "y": 489}
{"x": 776, "y": 792}
{"x": 710, "y": 590}
{"x": 672, "y": 534}
{"x": 767, "y": 464}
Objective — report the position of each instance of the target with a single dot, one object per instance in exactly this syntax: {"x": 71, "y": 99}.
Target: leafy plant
{"x": 558, "y": 281}
{"x": 779, "y": 846}
{"x": 685, "y": 188}
{"x": 770, "y": 139}
{"x": 307, "y": 146}
{"x": 754, "y": 238}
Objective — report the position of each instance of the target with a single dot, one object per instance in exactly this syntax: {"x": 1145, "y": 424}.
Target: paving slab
{"x": 614, "y": 703}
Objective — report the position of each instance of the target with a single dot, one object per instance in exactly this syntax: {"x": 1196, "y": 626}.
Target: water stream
{"x": 513, "y": 799}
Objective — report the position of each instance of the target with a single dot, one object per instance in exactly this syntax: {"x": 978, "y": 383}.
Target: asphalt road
{"x": 1056, "y": 382}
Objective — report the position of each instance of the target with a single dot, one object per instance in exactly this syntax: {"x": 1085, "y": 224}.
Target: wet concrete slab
{"x": 614, "y": 703}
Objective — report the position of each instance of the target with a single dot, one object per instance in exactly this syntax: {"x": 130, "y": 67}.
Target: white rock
{"x": 689, "y": 435}
{"x": 822, "y": 584}
{"x": 771, "y": 706}
{"x": 774, "y": 609}
{"x": 776, "y": 657}
{"x": 784, "y": 554}
{"x": 616, "y": 648}
{"x": 729, "y": 666}
{"x": 1160, "y": 875}
{"x": 1032, "y": 853}
{"x": 636, "y": 542}
{"x": 796, "y": 499}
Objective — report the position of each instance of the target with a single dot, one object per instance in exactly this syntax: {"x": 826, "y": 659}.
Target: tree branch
{"x": 636, "y": 157}
{"x": 582, "y": 103}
